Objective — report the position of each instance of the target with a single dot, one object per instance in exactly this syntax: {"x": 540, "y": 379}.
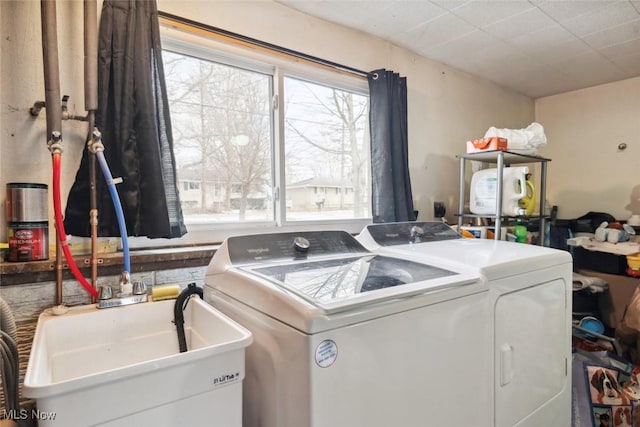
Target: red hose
{"x": 62, "y": 235}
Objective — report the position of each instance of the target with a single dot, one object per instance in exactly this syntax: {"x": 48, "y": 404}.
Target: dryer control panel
{"x": 404, "y": 233}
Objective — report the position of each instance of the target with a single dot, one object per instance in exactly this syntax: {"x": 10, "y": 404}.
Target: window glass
{"x": 326, "y": 152}
{"x": 222, "y": 139}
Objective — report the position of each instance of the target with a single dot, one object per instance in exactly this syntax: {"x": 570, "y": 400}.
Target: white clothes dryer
{"x": 530, "y": 294}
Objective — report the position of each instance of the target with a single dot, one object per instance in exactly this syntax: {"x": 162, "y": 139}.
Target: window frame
{"x": 278, "y": 66}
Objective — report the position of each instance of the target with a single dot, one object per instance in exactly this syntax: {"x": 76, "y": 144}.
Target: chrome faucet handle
{"x": 139, "y": 288}
{"x": 106, "y": 292}
{"x": 416, "y": 234}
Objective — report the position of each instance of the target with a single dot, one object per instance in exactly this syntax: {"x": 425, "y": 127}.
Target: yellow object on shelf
{"x": 633, "y": 261}
{"x": 159, "y": 293}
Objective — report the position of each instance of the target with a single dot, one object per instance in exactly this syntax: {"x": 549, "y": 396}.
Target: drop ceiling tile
{"x": 454, "y": 51}
{"x": 437, "y": 31}
{"x": 541, "y": 82}
{"x": 612, "y": 15}
{"x": 561, "y": 51}
{"x": 590, "y": 69}
{"x": 513, "y": 68}
{"x": 630, "y": 64}
{"x": 334, "y": 12}
{"x": 498, "y": 52}
{"x": 450, "y": 4}
{"x": 353, "y": 14}
{"x": 630, "y": 48}
{"x": 498, "y": 63}
{"x": 482, "y": 13}
{"x": 526, "y": 22}
{"x": 562, "y": 10}
{"x": 542, "y": 39}
{"x": 615, "y": 35}
{"x": 407, "y": 16}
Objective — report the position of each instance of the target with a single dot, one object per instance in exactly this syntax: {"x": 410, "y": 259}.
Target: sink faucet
{"x": 415, "y": 235}
{"x": 130, "y": 293}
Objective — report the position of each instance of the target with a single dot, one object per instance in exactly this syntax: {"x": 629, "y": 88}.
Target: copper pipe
{"x": 91, "y": 105}
{"x": 93, "y": 214}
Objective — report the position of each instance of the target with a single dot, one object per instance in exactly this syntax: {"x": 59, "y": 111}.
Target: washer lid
{"x": 339, "y": 283}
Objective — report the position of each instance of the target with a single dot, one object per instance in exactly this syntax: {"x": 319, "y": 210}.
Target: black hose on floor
{"x": 178, "y": 312}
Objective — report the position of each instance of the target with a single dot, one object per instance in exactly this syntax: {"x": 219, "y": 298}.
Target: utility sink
{"x": 122, "y": 367}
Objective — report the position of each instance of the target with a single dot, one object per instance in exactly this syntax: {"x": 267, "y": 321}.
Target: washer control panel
{"x": 291, "y": 246}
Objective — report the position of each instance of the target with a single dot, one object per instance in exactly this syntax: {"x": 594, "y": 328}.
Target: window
{"x": 261, "y": 141}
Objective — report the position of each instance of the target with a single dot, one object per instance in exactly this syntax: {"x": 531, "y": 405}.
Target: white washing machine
{"x": 347, "y": 338}
{"x": 530, "y": 294}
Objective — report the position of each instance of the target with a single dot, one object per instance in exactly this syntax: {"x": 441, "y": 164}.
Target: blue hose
{"x": 118, "y": 207}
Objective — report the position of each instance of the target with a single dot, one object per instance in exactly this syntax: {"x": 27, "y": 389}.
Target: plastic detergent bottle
{"x": 520, "y": 231}
{"x": 482, "y": 199}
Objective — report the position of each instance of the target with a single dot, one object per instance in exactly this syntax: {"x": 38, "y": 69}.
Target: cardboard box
{"x": 613, "y": 302}
{"x": 487, "y": 144}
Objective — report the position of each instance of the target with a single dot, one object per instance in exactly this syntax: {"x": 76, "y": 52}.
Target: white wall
{"x": 584, "y": 128}
{"x": 446, "y": 107}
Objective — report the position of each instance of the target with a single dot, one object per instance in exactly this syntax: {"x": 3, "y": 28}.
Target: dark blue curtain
{"x": 133, "y": 116}
{"x": 391, "y": 186}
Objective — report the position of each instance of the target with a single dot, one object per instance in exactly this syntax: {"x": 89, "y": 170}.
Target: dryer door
{"x": 531, "y": 348}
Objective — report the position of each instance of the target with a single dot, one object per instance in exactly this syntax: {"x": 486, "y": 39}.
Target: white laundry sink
{"x": 122, "y": 367}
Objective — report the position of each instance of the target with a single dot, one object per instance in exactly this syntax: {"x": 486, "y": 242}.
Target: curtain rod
{"x": 260, "y": 43}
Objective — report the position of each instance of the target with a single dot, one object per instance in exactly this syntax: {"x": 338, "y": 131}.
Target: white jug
{"x": 482, "y": 200}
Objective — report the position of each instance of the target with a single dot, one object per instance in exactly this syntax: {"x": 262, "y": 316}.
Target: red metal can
{"x": 28, "y": 241}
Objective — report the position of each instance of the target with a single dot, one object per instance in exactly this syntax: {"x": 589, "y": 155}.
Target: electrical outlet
{"x": 439, "y": 209}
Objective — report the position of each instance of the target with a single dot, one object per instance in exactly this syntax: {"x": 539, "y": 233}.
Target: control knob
{"x": 301, "y": 245}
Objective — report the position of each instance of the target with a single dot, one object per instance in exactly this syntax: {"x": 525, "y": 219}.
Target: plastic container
{"x": 633, "y": 261}
{"x": 520, "y": 231}
{"x": 482, "y": 199}
{"x": 473, "y": 232}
